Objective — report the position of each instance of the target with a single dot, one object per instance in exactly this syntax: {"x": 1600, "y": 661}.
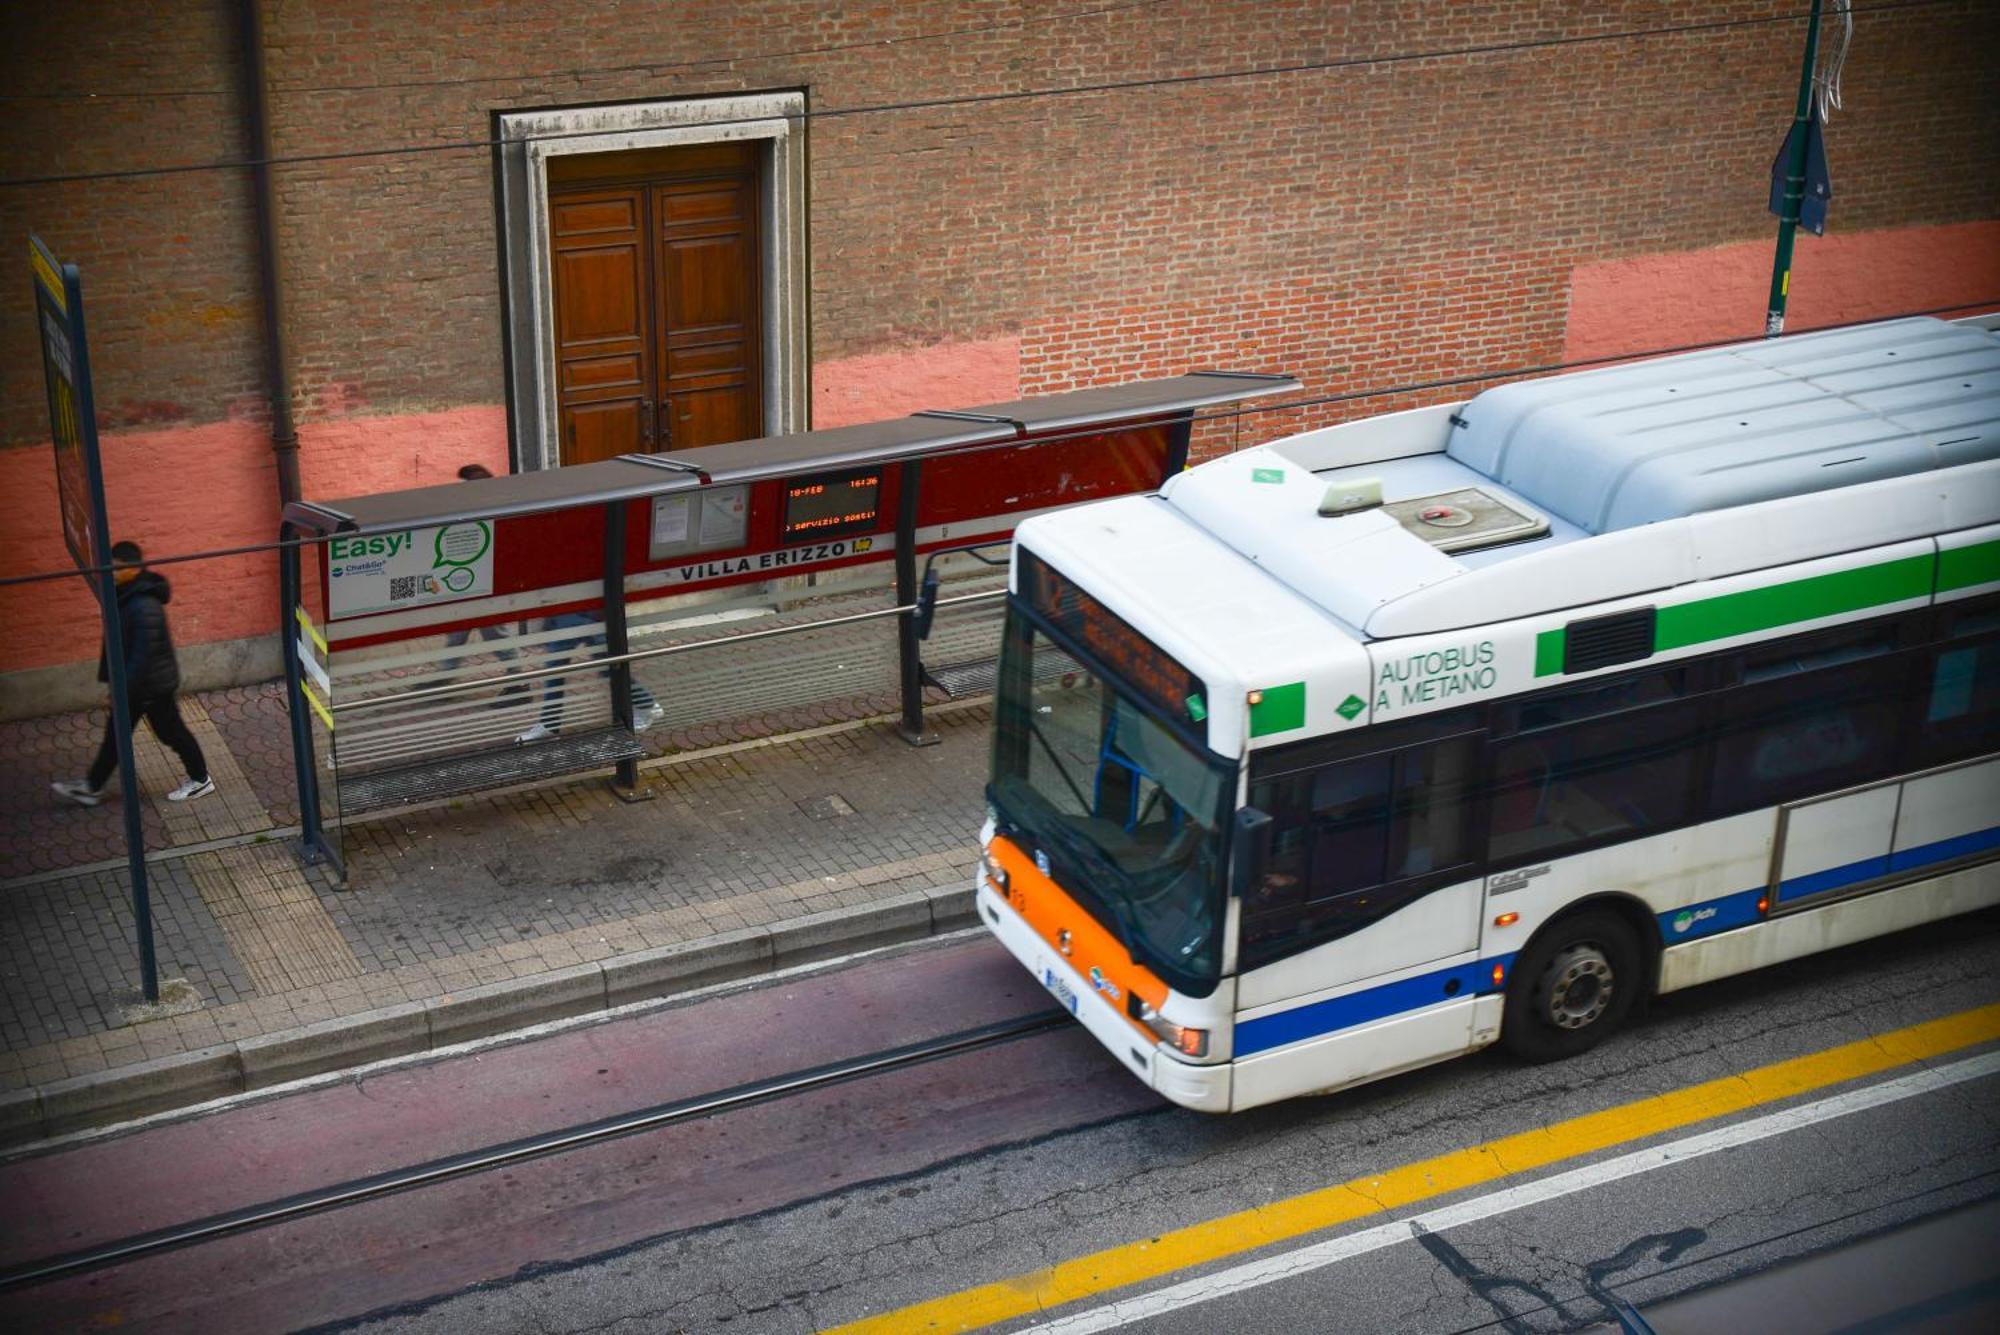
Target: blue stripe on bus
{"x": 1704, "y": 919}
{"x": 1694, "y": 921}
{"x": 1375, "y": 1003}
{"x": 1909, "y": 859}
{"x": 1943, "y": 850}
{"x": 1833, "y": 878}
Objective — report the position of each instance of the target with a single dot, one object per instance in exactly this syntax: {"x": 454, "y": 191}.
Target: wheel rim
{"x": 1580, "y": 987}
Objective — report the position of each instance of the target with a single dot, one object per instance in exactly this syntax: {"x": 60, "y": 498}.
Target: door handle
{"x": 646, "y": 425}
{"x": 666, "y": 425}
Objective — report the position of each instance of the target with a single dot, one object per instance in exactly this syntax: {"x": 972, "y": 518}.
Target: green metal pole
{"x": 1795, "y": 185}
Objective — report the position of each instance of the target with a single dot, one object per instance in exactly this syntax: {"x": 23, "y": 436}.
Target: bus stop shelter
{"x": 448, "y": 639}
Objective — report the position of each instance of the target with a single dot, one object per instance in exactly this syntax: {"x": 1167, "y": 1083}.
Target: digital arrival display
{"x": 832, "y": 506}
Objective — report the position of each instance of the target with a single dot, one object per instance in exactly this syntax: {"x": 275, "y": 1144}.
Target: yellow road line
{"x": 1262, "y": 1225}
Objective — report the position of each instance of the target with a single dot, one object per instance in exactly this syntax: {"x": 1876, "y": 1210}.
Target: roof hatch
{"x": 1466, "y": 520}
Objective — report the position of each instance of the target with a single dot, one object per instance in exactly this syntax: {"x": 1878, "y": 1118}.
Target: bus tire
{"x": 1573, "y": 986}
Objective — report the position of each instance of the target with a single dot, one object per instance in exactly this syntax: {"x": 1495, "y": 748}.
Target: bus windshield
{"x": 1128, "y": 813}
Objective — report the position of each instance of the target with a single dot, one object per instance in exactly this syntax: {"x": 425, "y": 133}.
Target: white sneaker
{"x": 648, "y": 716}
{"x": 539, "y": 732}
{"x": 78, "y": 791}
{"x": 192, "y": 789}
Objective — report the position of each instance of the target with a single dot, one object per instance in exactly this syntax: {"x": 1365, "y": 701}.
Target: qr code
{"x": 401, "y": 587}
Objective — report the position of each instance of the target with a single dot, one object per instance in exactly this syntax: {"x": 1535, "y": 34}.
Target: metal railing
{"x": 582, "y": 665}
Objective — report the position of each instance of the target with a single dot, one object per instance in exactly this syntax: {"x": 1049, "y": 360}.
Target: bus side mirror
{"x": 1249, "y": 849}
{"x": 927, "y": 596}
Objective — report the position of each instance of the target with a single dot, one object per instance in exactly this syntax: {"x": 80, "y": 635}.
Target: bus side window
{"x": 1789, "y": 736}
{"x": 1431, "y": 829}
{"x": 1356, "y": 840}
{"x": 1961, "y": 697}
{"x": 1584, "y": 783}
{"x": 1272, "y": 920}
{"x": 1350, "y": 818}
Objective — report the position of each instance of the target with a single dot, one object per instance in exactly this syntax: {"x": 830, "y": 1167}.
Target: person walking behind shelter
{"x": 458, "y": 639}
{"x": 152, "y": 683}
{"x": 645, "y": 709}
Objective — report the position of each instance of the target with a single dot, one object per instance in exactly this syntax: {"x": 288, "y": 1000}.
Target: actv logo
{"x": 1687, "y": 918}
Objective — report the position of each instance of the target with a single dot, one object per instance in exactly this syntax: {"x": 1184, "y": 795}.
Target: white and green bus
{"x": 1378, "y": 744}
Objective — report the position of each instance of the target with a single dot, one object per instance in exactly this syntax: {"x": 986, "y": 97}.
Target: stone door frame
{"x": 528, "y": 139}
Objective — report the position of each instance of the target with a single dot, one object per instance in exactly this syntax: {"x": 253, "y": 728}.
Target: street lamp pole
{"x": 1795, "y": 184}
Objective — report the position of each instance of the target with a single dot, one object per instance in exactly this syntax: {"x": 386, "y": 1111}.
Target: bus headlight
{"x": 1188, "y": 1042}
{"x": 993, "y": 873}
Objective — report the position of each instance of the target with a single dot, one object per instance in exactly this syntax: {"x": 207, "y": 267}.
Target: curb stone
{"x": 496, "y": 1007}
{"x": 819, "y": 936}
{"x": 953, "y": 907}
{"x": 20, "y": 1115}
{"x": 165, "y": 1083}
{"x": 149, "y": 1086}
{"x": 352, "y": 1040}
{"x": 664, "y": 970}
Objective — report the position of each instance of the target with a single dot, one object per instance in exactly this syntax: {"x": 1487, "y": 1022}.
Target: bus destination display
{"x": 1145, "y": 667}
{"x": 832, "y": 505}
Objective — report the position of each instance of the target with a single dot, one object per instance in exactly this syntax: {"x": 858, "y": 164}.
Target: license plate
{"x": 1060, "y": 988}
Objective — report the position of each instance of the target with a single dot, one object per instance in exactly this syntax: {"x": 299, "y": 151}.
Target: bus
{"x": 1477, "y": 723}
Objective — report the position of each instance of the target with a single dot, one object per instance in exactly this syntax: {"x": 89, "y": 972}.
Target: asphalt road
{"x": 956, "y": 1183}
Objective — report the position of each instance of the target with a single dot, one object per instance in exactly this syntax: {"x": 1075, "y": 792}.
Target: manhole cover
{"x": 826, "y": 808}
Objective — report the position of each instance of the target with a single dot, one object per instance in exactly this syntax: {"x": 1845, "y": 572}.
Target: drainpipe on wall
{"x": 284, "y": 433}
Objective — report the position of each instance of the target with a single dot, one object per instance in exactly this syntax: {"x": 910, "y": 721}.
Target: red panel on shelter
{"x": 1038, "y": 474}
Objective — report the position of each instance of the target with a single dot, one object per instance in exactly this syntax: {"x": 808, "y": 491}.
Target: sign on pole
{"x": 80, "y": 493}
{"x": 59, "y": 371}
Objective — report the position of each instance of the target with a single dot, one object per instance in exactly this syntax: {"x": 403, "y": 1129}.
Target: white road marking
{"x": 1304, "y": 1259}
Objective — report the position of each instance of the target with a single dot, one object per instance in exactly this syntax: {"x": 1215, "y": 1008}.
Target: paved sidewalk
{"x": 475, "y": 892}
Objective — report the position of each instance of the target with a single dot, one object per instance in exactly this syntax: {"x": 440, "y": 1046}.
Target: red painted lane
{"x": 444, "y": 1238}
{"x": 258, "y": 1152}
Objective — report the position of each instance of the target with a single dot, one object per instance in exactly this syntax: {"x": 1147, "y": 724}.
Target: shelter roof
{"x": 867, "y": 444}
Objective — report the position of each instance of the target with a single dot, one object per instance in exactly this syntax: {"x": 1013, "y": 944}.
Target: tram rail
{"x": 467, "y": 1163}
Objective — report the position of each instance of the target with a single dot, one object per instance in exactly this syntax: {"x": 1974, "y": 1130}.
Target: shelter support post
{"x": 909, "y": 668}
{"x": 312, "y": 835}
{"x": 626, "y": 782}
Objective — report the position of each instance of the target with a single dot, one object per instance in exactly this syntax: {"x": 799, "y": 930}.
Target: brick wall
{"x": 1356, "y": 226}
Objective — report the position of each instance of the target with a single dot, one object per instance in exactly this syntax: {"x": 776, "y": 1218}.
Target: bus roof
{"x": 1636, "y": 444}
{"x": 1617, "y": 482}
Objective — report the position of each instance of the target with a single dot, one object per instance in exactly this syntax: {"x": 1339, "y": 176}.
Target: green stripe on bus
{"x": 1963, "y": 567}
{"x": 1280, "y": 709}
{"x": 1549, "y": 652}
{"x": 1799, "y": 600}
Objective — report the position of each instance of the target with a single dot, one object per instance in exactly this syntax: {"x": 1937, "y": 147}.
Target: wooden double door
{"x": 658, "y": 303}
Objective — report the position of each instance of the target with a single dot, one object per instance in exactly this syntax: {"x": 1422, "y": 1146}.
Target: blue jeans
{"x": 560, "y": 653}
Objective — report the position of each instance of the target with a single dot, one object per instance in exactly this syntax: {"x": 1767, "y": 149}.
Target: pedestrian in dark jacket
{"x": 152, "y": 681}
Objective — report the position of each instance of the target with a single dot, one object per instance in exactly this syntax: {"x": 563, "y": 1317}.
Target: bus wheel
{"x": 1572, "y": 987}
